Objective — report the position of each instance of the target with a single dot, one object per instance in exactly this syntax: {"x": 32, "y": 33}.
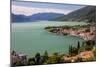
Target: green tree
{"x": 70, "y": 50}
{"x": 46, "y": 54}
{"x": 78, "y": 47}
{"x": 45, "y": 57}
{"x": 38, "y": 58}
{"x": 31, "y": 61}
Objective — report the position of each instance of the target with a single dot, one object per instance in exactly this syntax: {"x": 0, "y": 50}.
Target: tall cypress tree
{"x": 45, "y": 55}
{"x": 69, "y": 50}
{"x": 78, "y": 47}
{"x": 37, "y": 58}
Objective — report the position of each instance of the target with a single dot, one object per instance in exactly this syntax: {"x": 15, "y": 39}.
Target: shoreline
{"x": 81, "y": 32}
{"x": 80, "y": 53}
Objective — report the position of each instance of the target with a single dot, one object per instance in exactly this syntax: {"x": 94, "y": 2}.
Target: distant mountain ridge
{"x": 87, "y": 14}
{"x": 34, "y": 17}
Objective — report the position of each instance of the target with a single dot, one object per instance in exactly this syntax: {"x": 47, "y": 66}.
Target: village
{"x": 87, "y": 33}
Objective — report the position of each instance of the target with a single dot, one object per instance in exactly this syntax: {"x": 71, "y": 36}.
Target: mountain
{"x": 34, "y": 17}
{"x": 87, "y": 14}
{"x": 19, "y": 18}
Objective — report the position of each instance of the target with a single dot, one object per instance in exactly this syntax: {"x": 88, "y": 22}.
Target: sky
{"x": 30, "y": 8}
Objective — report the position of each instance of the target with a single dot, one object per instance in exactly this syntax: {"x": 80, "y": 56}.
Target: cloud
{"x": 34, "y": 10}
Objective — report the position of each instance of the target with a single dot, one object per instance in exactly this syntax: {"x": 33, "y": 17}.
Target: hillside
{"x": 34, "y": 17}
{"x": 87, "y": 14}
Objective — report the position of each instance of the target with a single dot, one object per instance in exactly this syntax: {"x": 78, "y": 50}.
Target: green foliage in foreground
{"x": 86, "y": 46}
{"x": 55, "y": 58}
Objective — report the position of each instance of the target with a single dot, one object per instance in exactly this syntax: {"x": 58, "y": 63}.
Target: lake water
{"x": 31, "y": 37}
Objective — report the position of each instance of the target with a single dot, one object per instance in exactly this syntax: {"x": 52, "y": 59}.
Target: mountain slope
{"x": 35, "y": 17}
{"x": 87, "y": 13}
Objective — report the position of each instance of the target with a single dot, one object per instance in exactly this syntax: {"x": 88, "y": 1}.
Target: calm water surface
{"x": 30, "y": 38}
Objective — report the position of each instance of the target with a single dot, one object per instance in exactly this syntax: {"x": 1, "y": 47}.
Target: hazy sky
{"x": 29, "y": 8}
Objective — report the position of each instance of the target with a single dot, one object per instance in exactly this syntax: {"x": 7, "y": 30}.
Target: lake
{"x": 31, "y": 37}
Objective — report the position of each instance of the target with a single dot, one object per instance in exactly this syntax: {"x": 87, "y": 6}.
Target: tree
{"x": 38, "y": 58}
{"x": 89, "y": 45}
{"x": 31, "y": 61}
{"x": 69, "y": 50}
{"x": 45, "y": 57}
{"x": 46, "y": 54}
{"x": 78, "y": 47}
